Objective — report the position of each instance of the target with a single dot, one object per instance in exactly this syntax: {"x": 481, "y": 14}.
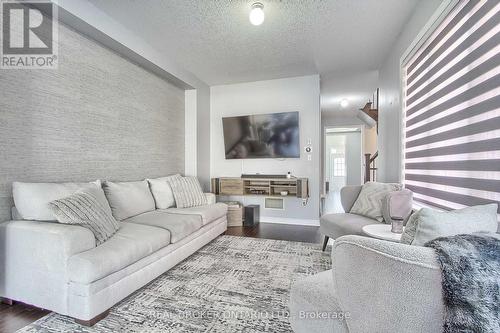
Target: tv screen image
{"x": 274, "y": 135}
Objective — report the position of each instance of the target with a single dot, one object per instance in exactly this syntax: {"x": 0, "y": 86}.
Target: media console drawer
{"x": 231, "y": 186}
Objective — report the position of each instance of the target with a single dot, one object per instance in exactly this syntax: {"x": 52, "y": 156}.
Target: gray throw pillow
{"x": 129, "y": 199}
{"x": 83, "y": 209}
{"x": 410, "y": 229}
{"x": 428, "y": 224}
{"x": 188, "y": 192}
{"x": 162, "y": 192}
{"x": 370, "y": 199}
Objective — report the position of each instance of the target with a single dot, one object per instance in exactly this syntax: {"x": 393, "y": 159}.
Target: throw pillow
{"x": 162, "y": 192}
{"x": 84, "y": 209}
{"x": 410, "y": 229}
{"x": 370, "y": 199}
{"x": 129, "y": 199}
{"x": 188, "y": 192}
{"x": 429, "y": 224}
{"x": 32, "y": 199}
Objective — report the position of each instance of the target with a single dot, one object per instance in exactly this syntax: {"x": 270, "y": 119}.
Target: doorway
{"x": 342, "y": 163}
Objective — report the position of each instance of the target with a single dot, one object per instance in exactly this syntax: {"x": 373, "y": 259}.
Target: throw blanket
{"x": 471, "y": 282}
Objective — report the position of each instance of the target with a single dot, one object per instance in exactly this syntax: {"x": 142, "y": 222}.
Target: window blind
{"x": 451, "y": 88}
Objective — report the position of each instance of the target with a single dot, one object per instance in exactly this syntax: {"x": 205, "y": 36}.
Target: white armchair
{"x": 374, "y": 286}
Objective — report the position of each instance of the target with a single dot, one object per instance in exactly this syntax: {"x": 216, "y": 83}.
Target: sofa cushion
{"x": 369, "y": 201}
{"x": 336, "y": 225}
{"x": 179, "y": 226}
{"x": 428, "y": 224}
{"x": 207, "y": 213}
{"x": 128, "y": 245}
{"x": 82, "y": 208}
{"x": 188, "y": 192}
{"x": 314, "y": 296}
{"x": 32, "y": 199}
{"x": 128, "y": 199}
{"x": 162, "y": 192}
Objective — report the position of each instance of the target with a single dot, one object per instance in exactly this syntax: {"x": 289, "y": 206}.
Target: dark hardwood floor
{"x": 297, "y": 233}
{"x": 14, "y": 317}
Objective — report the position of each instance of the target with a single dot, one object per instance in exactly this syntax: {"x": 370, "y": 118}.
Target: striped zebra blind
{"x": 452, "y": 110}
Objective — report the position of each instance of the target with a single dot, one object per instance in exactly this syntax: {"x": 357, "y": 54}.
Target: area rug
{"x": 233, "y": 284}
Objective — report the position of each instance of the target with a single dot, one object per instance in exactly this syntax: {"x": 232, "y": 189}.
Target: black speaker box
{"x": 252, "y": 215}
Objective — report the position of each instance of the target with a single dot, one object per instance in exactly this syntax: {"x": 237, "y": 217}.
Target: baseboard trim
{"x": 287, "y": 220}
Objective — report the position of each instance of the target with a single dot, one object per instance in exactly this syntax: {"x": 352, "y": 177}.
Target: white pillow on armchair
{"x": 428, "y": 224}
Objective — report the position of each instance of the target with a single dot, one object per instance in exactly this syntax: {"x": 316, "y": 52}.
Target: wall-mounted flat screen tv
{"x": 274, "y": 135}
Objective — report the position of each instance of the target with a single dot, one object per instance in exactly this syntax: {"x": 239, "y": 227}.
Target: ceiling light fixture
{"x": 257, "y": 14}
{"x": 344, "y": 103}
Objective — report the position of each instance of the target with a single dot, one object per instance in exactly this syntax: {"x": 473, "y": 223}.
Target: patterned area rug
{"x": 233, "y": 284}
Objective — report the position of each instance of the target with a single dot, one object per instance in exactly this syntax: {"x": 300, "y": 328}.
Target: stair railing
{"x": 370, "y": 167}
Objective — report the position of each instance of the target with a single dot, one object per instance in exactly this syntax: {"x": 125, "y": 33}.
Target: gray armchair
{"x": 373, "y": 286}
{"x": 396, "y": 206}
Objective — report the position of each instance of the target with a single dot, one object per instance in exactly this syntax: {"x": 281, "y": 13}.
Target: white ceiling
{"x": 215, "y": 40}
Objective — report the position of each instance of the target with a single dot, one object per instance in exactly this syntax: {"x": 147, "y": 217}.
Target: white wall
{"x": 390, "y": 105}
{"x": 190, "y": 143}
{"x": 353, "y": 158}
{"x": 203, "y": 136}
{"x": 282, "y": 95}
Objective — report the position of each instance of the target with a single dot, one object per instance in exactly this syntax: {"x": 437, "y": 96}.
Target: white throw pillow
{"x": 370, "y": 199}
{"x": 128, "y": 199}
{"x": 32, "y": 199}
{"x": 428, "y": 224}
{"x": 188, "y": 192}
{"x": 162, "y": 192}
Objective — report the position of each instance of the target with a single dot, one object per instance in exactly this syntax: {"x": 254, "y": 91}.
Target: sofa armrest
{"x": 33, "y": 261}
{"x": 387, "y": 287}
{"x": 211, "y": 198}
{"x": 41, "y": 246}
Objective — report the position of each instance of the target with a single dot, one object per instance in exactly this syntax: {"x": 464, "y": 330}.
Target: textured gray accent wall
{"x": 98, "y": 116}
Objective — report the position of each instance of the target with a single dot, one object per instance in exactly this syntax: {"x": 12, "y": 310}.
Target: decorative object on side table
{"x": 397, "y": 226}
{"x": 381, "y": 231}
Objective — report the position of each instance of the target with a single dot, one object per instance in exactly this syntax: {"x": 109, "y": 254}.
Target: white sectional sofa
{"x": 59, "y": 267}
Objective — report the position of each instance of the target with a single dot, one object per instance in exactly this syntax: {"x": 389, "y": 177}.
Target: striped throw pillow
{"x": 188, "y": 192}
{"x": 82, "y": 208}
{"x": 369, "y": 201}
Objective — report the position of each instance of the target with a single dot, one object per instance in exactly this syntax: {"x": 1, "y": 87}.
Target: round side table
{"x": 381, "y": 231}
